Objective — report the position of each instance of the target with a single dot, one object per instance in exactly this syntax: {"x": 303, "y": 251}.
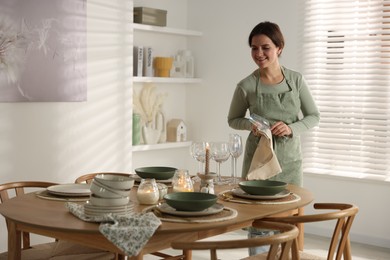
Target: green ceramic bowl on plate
{"x": 262, "y": 187}
{"x": 156, "y": 172}
{"x": 190, "y": 201}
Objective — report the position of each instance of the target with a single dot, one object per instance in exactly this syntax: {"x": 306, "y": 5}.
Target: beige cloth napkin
{"x": 264, "y": 163}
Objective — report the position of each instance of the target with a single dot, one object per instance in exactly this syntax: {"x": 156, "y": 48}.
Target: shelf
{"x": 167, "y": 80}
{"x": 166, "y": 30}
{"x": 171, "y": 145}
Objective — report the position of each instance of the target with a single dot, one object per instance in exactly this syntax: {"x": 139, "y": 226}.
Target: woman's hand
{"x": 255, "y": 131}
{"x": 280, "y": 129}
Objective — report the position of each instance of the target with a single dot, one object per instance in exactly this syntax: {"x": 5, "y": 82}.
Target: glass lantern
{"x": 182, "y": 181}
{"x": 148, "y": 192}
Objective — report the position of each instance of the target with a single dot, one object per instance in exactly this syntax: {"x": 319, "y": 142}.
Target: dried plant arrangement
{"x": 148, "y": 103}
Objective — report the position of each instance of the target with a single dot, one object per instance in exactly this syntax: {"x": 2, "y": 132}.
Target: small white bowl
{"x": 105, "y": 202}
{"x": 114, "y": 181}
{"x": 106, "y": 192}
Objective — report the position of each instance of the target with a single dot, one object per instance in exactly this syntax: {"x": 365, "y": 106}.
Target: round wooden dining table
{"x": 51, "y": 218}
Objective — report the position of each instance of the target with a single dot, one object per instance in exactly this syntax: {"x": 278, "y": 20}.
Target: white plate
{"x": 165, "y": 208}
{"x": 240, "y": 193}
{"x": 71, "y": 189}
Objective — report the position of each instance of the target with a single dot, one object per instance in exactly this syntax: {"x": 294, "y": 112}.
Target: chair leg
{"x": 295, "y": 250}
{"x": 347, "y": 250}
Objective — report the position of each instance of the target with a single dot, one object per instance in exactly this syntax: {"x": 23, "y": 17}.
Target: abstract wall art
{"x": 43, "y": 51}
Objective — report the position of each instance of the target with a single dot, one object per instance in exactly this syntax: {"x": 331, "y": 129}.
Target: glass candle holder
{"x": 181, "y": 181}
{"x": 163, "y": 190}
{"x": 148, "y": 192}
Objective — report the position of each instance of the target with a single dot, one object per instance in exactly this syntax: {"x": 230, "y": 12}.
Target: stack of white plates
{"x": 91, "y": 210}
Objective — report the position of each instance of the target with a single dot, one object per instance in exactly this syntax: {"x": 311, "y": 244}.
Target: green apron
{"x": 278, "y": 107}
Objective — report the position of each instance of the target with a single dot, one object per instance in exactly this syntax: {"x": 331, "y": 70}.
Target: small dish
{"x": 262, "y": 187}
{"x": 156, "y": 172}
{"x": 242, "y": 194}
{"x": 190, "y": 201}
{"x": 104, "y": 202}
{"x": 104, "y": 191}
{"x": 165, "y": 208}
{"x": 114, "y": 181}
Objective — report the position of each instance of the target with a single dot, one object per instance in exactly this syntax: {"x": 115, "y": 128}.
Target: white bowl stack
{"x": 109, "y": 194}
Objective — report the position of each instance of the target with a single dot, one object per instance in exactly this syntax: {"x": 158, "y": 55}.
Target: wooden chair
{"x": 51, "y": 250}
{"x": 280, "y": 243}
{"x": 87, "y": 178}
{"x": 342, "y": 213}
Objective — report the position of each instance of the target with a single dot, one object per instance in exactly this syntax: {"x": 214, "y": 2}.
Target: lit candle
{"x": 182, "y": 181}
{"x": 147, "y": 197}
{"x": 148, "y": 192}
{"x": 207, "y": 159}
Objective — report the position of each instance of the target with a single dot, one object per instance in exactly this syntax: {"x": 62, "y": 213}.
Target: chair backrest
{"x": 87, "y": 178}
{"x": 343, "y": 213}
{"x": 282, "y": 239}
{"x": 13, "y": 189}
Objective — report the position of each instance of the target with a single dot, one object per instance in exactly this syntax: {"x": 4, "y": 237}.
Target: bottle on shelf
{"x": 183, "y": 65}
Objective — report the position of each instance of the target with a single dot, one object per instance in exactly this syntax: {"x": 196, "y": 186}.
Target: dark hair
{"x": 271, "y": 30}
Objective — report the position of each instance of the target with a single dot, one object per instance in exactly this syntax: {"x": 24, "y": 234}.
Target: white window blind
{"x": 346, "y": 61}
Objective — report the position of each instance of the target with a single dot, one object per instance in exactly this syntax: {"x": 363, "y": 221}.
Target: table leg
{"x": 301, "y": 236}
{"x": 14, "y": 242}
{"x": 187, "y": 254}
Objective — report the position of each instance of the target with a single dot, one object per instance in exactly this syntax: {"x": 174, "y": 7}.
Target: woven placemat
{"x": 225, "y": 214}
{"x": 230, "y": 197}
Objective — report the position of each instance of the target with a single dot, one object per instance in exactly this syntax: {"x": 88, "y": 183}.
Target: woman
{"x": 280, "y": 95}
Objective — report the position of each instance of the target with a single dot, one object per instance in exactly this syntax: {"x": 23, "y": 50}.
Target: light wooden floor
{"x": 314, "y": 244}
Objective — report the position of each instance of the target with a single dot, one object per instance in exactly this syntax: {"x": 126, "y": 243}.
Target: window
{"x": 347, "y": 65}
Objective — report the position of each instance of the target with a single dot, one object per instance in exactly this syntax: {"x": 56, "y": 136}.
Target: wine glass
{"x": 235, "y": 148}
{"x": 198, "y": 152}
{"x": 219, "y": 152}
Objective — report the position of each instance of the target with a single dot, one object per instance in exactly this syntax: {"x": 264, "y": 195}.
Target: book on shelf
{"x": 148, "y": 62}
{"x": 138, "y": 54}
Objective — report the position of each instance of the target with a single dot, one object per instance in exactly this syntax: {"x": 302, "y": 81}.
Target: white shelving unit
{"x": 166, "y": 30}
{"x": 169, "y": 145}
{"x": 162, "y": 80}
{"x": 167, "y": 80}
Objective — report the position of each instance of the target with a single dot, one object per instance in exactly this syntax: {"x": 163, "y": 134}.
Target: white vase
{"x": 150, "y": 135}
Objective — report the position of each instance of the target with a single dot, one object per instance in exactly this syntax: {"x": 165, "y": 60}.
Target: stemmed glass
{"x": 219, "y": 152}
{"x": 235, "y": 148}
{"x": 198, "y": 152}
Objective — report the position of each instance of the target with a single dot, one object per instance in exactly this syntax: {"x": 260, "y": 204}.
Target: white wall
{"x": 60, "y": 141}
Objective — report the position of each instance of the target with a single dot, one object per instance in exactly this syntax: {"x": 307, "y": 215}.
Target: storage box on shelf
{"x": 151, "y": 16}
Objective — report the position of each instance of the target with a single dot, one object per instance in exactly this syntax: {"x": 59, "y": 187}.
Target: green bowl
{"x": 262, "y": 187}
{"x": 156, "y": 172}
{"x": 190, "y": 201}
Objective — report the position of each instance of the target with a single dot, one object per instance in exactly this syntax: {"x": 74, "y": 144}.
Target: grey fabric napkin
{"x": 130, "y": 233}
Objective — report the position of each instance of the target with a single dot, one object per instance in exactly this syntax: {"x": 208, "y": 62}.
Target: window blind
{"x": 346, "y": 61}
